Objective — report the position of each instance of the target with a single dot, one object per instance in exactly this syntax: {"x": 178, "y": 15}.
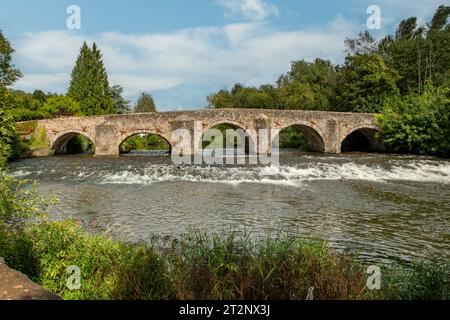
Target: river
{"x": 381, "y": 206}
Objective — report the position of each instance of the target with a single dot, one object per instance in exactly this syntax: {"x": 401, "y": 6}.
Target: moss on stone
{"x": 39, "y": 139}
{"x": 26, "y": 128}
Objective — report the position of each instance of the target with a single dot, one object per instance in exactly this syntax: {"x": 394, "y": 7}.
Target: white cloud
{"x": 30, "y": 81}
{"x": 257, "y": 10}
{"x": 251, "y": 53}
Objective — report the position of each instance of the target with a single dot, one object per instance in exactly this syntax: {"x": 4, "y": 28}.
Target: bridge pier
{"x": 332, "y": 143}
{"x": 106, "y": 140}
{"x": 263, "y": 135}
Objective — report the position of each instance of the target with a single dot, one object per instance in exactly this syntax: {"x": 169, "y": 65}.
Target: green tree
{"x": 89, "y": 84}
{"x": 8, "y": 73}
{"x": 308, "y": 86}
{"x": 145, "y": 103}
{"x": 420, "y": 53}
{"x": 120, "y": 104}
{"x": 220, "y": 100}
{"x": 62, "y": 106}
{"x": 366, "y": 81}
{"x": 39, "y": 95}
{"x": 418, "y": 123}
{"x": 365, "y": 43}
{"x": 24, "y": 106}
{"x": 9, "y": 142}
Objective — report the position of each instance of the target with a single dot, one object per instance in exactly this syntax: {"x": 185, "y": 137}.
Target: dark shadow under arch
{"x": 144, "y": 141}
{"x": 300, "y": 136}
{"x": 73, "y": 143}
{"x": 362, "y": 140}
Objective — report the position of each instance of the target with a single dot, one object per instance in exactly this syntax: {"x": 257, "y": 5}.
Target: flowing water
{"x": 382, "y": 206}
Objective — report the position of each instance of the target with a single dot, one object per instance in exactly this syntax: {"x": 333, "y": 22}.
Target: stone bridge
{"x": 324, "y": 131}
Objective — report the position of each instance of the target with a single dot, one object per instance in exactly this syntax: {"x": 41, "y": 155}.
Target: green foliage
{"x": 421, "y": 280}
{"x": 145, "y": 103}
{"x": 418, "y": 123}
{"x": 120, "y": 104}
{"x": 235, "y": 267}
{"x": 33, "y": 137}
{"x": 38, "y": 140}
{"x": 9, "y": 142}
{"x": 224, "y": 129}
{"x": 365, "y": 43}
{"x": 307, "y": 86}
{"x": 292, "y": 139}
{"x": 109, "y": 269}
{"x": 8, "y": 73}
{"x": 79, "y": 144}
{"x": 19, "y": 203}
{"x": 266, "y": 97}
{"x": 38, "y": 105}
{"x": 61, "y": 106}
{"x": 24, "y": 106}
{"x": 366, "y": 81}
{"x": 144, "y": 142}
{"x": 89, "y": 84}
{"x": 420, "y": 53}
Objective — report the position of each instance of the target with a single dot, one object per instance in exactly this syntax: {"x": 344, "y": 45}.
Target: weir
{"x": 324, "y": 131}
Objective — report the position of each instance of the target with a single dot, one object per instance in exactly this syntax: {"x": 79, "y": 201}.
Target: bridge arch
{"x": 249, "y": 138}
{"x": 60, "y": 142}
{"x": 361, "y": 138}
{"x": 313, "y": 135}
{"x": 129, "y": 134}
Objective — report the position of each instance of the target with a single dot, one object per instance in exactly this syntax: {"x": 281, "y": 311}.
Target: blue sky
{"x": 180, "y": 51}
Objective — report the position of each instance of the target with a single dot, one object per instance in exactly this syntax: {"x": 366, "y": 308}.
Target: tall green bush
{"x": 418, "y": 123}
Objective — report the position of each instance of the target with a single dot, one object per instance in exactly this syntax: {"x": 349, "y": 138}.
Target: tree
{"x": 309, "y": 85}
{"x": 365, "y": 82}
{"x": 365, "y": 43}
{"x": 418, "y": 123}
{"x": 145, "y": 103}
{"x": 220, "y": 100}
{"x": 420, "y": 53}
{"x": 89, "y": 84}
{"x": 8, "y": 137}
{"x": 120, "y": 104}
{"x": 8, "y": 73}
{"x": 39, "y": 95}
{"x": 62, "y": 106}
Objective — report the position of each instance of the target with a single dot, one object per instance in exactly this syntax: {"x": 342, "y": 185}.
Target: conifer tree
{"x": 145, "y": 103}
{"x": 89, "y": 85}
